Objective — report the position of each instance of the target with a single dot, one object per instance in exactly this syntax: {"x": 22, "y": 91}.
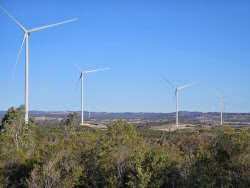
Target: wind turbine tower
{"x": 81, "y": 77}
{"x": 176, "y": 94}
{"x": 25, "y": 37}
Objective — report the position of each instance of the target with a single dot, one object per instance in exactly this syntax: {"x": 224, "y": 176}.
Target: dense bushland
{"x": 122, "y": 156}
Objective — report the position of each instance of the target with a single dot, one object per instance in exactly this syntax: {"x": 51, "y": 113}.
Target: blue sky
{"x": 207, "y": 42}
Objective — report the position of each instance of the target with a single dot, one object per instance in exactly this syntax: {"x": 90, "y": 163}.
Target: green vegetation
{"x": 68, "y": 155}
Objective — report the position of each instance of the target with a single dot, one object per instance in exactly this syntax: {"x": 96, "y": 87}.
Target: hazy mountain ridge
{"x": 143, "y": 118}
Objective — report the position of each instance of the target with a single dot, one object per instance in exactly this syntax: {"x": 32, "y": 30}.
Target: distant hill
{"x": 184, "y": 116}
{"x": 133, "y": 115}
{"x": 2, "y": 112}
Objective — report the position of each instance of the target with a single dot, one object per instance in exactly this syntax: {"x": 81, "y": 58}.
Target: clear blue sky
{"x": 207, "y": 42}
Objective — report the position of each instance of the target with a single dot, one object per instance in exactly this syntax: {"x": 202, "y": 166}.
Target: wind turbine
{"x": 220, "y": 106}
{"x": 176, "y": 94}
{"x": 81, "y": 77}
{"x": 25, "y": 37}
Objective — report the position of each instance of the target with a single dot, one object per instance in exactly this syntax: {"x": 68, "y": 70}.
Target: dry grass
{"x": 94, "y": 126}
{"x": 172, "y": 127}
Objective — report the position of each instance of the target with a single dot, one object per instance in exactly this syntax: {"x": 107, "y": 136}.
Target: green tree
{"x": 13, "y": 125}
{"x": 16, "y": 144}
{"x": 70, "y": 123}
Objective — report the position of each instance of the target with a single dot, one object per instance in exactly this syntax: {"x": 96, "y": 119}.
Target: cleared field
{"x": 172, "y": 127}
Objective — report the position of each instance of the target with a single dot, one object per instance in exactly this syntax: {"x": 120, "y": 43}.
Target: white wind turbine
{"x": 220, "y": 106}
{"x": 26, "y": 34}
{"x": 176, "y": 94}
{"x": 81, "y": 77}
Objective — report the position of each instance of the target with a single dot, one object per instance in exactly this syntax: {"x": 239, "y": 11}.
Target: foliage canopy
{"x": 121, "y": 156}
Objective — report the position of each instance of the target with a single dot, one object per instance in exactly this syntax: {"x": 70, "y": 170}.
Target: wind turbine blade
{"x": 175, "y": 95}
{"x": 50, "y": 25}
{"x": 77, "y": 66}
{"x": 14, "y": 20}
{"x": 19, "y": 54}
{"x": 186, "y": 86}
{"x": 218, "y": 94}
{"x": 79, "y": 80}
{"x": 169, "y": 82}
{"x": 95, "y": 70}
